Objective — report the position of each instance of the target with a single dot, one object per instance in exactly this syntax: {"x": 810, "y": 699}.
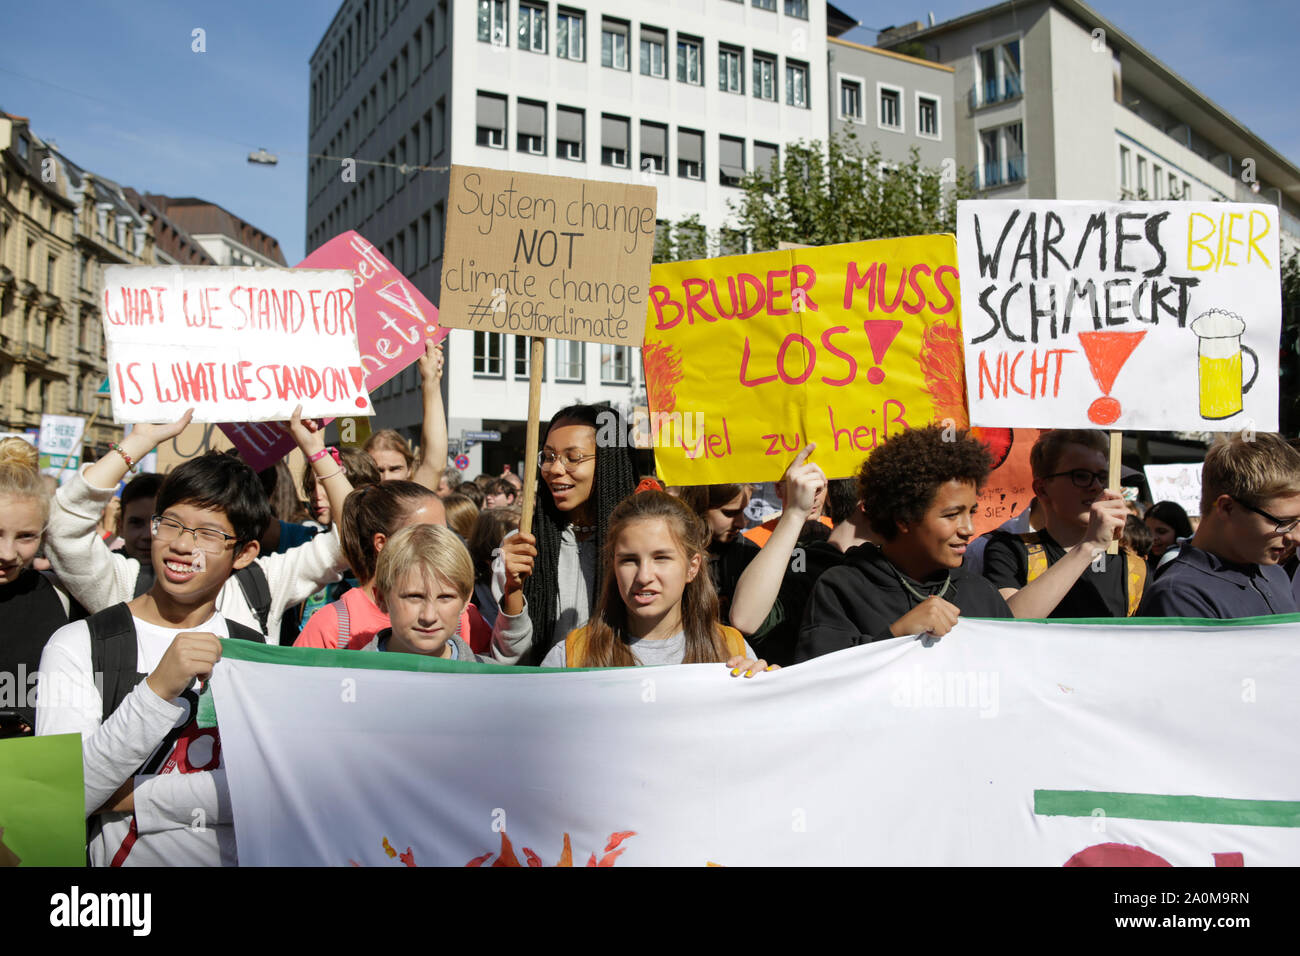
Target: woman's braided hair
{"x": 614, "y": 479}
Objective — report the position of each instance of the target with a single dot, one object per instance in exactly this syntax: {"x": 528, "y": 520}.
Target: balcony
{"x": 1007, "y": 173}
{"x": 992, "y": 91}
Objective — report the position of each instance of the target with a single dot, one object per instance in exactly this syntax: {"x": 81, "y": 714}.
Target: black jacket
{"x": 857, "y": 602}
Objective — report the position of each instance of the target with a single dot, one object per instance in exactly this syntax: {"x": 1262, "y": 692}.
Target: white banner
{"x": 59, "y": 445}
{"x": 235, "y": 344}
{"x": 1147, "y": 315}
{"x": 1014, "y": 743}
{"x": 1179, "y": 483}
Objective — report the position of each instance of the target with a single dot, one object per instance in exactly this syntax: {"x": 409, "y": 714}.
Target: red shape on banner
{"x": 1116, "y": 854}
{"x": 1107, "y": 352}
{"x": 1229, "y": 859}
{"x": 880, "y": 335}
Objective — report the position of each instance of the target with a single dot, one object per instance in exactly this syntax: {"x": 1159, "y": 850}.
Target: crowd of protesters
{"x": 121, "y": 610}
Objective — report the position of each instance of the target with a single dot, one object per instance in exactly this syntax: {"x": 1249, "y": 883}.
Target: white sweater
{"x": 99, "y": 578}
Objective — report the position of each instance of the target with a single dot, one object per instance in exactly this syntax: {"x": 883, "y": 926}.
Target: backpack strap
{"x": 252, "y": 581}
{"x": 113, "y": 655}
{"x": 575, "y": 647}
{"x": 1036, "y": 555}
{"x": 1135, "y": 579}
{"x": 734, "y": 640}
{"x": 345, "y": 624}
{"x": 241, "y": 633}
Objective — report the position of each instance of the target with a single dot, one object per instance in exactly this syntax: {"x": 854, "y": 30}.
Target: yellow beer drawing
{"x": 1220, "y": 349}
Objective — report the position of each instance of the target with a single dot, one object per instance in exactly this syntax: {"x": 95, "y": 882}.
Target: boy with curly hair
{"x": 920, "y": 493}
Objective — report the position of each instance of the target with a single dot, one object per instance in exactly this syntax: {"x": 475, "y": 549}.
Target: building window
{"x": 998, "y": 79}
{"x": 764, "y": 76}
{"x": 796, "y": 84}
{"x": 613, "y": 141}
{"x": 615, "y": 365}
{"x": 1157, "y": 180}
{"x": 523, "y": 357}
{"x": 689, "y": 60}
{"x": 569, "y": 361}
{"x": 927, "y": 116}
{"x": 731, "y": 77}
{"x": 891, "y": 107}
{"x": 613, "y": 44}
{"x": 731, "y": 242}
{"x": 766, "y": 5}
{"x": 765, "y": 154}
{"x": 568, "y": 133}
{"x": 731, "y": 160}
{"x": 51, "y": 265}
{"x": 851, "y": 100}
{"x": 690, "y": 154}
{"x": 1173, "y": 187}
{"x": 530, "y": 122}
{"x": 654, "y": 147}
{"x": 532, "y": 28}
{"x": 1002, "y": 156}
{"x": 1187, "y": 189}
{"x": 22, "y": 147}
{"x": 1123, "y": 169}
{"x": 569, "y": 35}
{"x": 492, "y": 120}
{"x": 797, "y": 8}
{"x": 1143, "y": 193}
{"x": 487, "y": 355}
{"x": 654, "y": 47}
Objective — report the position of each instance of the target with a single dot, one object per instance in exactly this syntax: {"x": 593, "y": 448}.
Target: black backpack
{"x": 113, "y": 652}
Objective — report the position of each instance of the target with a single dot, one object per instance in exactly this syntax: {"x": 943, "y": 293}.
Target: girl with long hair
{"x": 586, "y": 470}
{"x": 656, "y": 603}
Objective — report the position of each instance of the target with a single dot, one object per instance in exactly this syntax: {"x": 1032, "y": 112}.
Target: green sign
{"x": 42, "y": 802}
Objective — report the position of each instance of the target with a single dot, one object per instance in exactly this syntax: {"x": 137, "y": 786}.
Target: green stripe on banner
{"x": 370, "y": 660}
{"x": 1160, "y": 806}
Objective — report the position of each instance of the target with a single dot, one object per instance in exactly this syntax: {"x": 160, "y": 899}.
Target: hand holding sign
{"x": 804, "y": 484}
{"x": 1106, "y": 518}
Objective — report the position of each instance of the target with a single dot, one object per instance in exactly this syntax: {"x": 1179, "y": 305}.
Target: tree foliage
{"x": 824, "y": 193}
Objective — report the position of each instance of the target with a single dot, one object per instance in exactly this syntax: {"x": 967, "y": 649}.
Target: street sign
{"x": 453, "y": 445}
{"x": 481, "y": 436}
{"x": 462, "y": 462}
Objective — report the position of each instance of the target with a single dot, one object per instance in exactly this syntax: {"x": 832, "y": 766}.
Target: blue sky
{"x": 117, "y": 85}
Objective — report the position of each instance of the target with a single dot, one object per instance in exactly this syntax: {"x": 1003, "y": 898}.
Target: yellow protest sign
{"x": 748, "y": 358}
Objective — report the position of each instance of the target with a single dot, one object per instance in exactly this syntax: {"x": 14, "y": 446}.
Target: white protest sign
{"x": 1178, "y": 483}
{"x": 236, "y": 344}
{"x": 1147, "y": 315}
{"x": 59, "y": 446}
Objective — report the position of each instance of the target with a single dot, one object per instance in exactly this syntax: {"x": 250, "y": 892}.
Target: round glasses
{"x": 570, "y": 459}
{"x": 1281, "y": 525}
{"x": 1082, "y": 478}
{"x": 205, "y": 539}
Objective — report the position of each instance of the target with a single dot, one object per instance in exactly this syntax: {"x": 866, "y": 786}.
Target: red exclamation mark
{"x": 359, "y": 378}
{"x": 880, "y": 334}
{"x": 1107, "y": 352}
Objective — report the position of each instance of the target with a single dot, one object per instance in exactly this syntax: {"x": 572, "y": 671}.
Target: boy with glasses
{"x": 1062, "y": 570}
{"x": 1250, "y": 516}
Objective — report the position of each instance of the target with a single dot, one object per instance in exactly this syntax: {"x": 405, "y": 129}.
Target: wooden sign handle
{"x": 535, "y": 367}
{"x": 1116, "y": 451}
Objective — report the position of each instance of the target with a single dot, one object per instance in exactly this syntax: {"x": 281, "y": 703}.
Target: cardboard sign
{"x": 1151, "y": 315}
{"x": 235, "y": 344}
{"x": 1009, "y": 489}
{"x": 59, "y": 446}
{"x": 748, "y": 358}
{"x": 547, "y": 256}
{"x": 393, "y": 320}
{"x": 1179, "y": 483}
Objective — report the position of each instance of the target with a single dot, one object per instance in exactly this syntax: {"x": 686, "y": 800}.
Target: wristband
{"x": 125, "y": 457}
{"x": 332, "y": 474}
{"x": 319, "y": 455}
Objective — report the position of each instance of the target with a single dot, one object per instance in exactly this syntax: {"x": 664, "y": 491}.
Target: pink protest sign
{"x": 393, "y": 320}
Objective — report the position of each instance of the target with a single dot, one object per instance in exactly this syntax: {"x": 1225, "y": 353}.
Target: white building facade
{"x": 685, "y": 96}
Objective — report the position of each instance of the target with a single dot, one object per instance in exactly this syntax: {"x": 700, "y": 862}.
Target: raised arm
{"x": 329, "y": 473}
{"x": 804, "y": 487}
{"x": 433, "y": 434}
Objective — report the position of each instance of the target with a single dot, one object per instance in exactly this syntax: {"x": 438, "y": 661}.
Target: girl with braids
{"x": 553, "y": 570}
{"x": 656, "y": 604}
{"x": 33, "y": 607}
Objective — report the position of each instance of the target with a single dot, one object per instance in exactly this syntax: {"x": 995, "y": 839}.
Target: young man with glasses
{"x": 1062, "y": 570}
{"x": 1250, "y": 515}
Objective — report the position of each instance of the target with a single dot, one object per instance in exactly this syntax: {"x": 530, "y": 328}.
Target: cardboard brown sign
{"x": 547, "y": 256}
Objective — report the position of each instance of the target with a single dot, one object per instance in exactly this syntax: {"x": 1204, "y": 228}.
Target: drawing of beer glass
{"x": 1220, "y": 349}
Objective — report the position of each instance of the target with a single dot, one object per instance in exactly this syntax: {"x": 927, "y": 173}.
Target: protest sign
{"x": 1010, "y": 487}
{"x": 59, "y": 446}
{"x": 1153, "y": 315}
{"x": 1178, "y": 483}
{"x": 1006, "y": 743}
{"x": 748, "y": 358}
{"x": 393, "y": 320}
{"x": 42, "y": 802}
{"x": 235, "y": 344}
{"x": 547, "y": 256}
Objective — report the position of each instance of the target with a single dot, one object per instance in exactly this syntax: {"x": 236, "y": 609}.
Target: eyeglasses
{"x": 1282, "y": 525}
{"x": 205, "y": 539}
{"x": 1083, "y": 478}
{"x": 570, "y": 459}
